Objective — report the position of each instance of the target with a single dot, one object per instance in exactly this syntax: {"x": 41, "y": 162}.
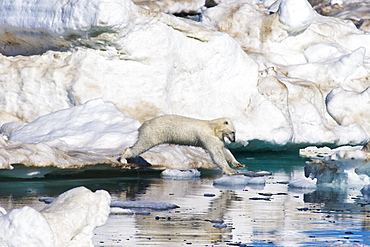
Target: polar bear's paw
{"x": 122, "y": 160}
{"x": 230, "y": 172}
{"x": 238, "y": 165}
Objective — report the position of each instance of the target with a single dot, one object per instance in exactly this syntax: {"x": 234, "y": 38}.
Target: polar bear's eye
{"x": 226, "y": 122}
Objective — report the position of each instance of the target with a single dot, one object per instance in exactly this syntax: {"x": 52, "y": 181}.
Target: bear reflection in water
{"x": 171, "y": 129}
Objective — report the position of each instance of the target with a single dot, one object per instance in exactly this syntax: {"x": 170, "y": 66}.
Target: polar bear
{"x": 173, "y": 129}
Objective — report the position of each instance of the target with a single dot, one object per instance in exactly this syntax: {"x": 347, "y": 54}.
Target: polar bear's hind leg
{"x": 140, "y": 147}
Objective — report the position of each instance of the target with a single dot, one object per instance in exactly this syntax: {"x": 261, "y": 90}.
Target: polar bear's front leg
{"x": 215, "y": 149}
{"x": 124, "y": 156}
{"x": 231, "y": 159}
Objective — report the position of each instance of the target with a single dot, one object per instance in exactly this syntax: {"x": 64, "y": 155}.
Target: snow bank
{"x": 299, "y": 68}
{"x": 94, "y": 126}
{"x": 91, "y": 133}
{"x": 277, "y": 79}
{"x": 67, "y": 221}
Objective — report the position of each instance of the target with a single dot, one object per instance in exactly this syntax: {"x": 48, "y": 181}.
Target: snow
{"x": 292, "y": 77}
{"x": 91, "y": 133}
{"x": 78, "y": 77}
{"x": 22, "y": 227}
{"x": 65, "y": 17}
{"x": 93, "y": 126}
{"x": 68, "y": 221}
{"x": 339, "y": 105}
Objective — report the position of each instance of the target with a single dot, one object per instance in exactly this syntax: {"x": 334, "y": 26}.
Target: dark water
{"x": 258, "y": 215}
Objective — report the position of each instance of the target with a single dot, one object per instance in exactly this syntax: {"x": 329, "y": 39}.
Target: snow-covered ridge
{"x": 94, "y": 126}
{"x": 283, "y": 80}
{"x": 65, "y": 17}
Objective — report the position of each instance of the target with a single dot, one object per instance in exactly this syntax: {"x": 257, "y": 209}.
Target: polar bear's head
{"x": 224, "y": 128}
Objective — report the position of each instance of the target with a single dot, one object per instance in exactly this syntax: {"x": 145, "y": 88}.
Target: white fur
{"x": 172, "y": 129}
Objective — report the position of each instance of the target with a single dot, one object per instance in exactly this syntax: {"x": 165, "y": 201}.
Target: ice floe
{"x": 238, "y": 180}
{"x": 91, "y": 133}
{"x": 302, "y": 183}
{"x": 343, "y": 167}
{"x": 126, "y": 206}
{"x": 67, "y": 221}
{"x": 143, "y": 205}
{"x": 177, "y": 174}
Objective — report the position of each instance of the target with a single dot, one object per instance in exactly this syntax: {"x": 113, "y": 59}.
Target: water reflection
{"x": 269, "y": 215}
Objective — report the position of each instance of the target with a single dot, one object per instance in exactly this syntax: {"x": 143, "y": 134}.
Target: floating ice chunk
{"x": 257, "y": 180}
{"x": 232, "y": 180}
{"x": 117, "y": 210}
{"x": 144, "y": 204}
{"x": 302, "y": 184}
{"x": 68, "y": 221}
{"x": 125, "y": 206}
{"x": 174, "y": 173}
{"x": 295, "y": 15}
{"x": 22, "y": 227}
{"x": 75, "y": 214}
{"x": 239, "y": 180}
{"x": 343, "y": 168}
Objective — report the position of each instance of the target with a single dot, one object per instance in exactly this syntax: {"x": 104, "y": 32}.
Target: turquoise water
{"x": 260, "y": 215}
